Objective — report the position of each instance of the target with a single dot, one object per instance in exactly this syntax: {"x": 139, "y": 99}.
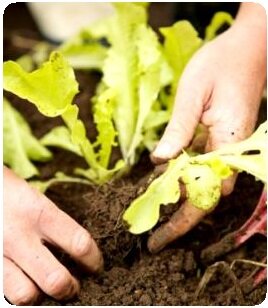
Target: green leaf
{"x": 26, "y": 62}
{"x": 238, "y": 156}
{"x": 84, "y": 51}
{"x": 38, "y": 54}
{"x": 86, "y": 57}
{"x": 60, "y": 177}
{"x": 150, "y": 140}
{"x": 51, "y": 88}
{"x": 156, "y": 119}
{"x": 149, "y": 83}
{"x": 103, "y": 113}
{"x": 136, "y": 70}
{"x": 203, "y": 186}
{"x": 78, "y": 135}
{"x": 60, "y": 137}
{"x": 218, "y": 20}
{"x": 55, "y": 98}
{"x": 102, "y": 175}
{"x": 19, "y": 144}
{"x": 144, "y": 4}
{"x": 219, "y": 167}
{"x": 181, "y": 41}
{"x": 97, "y": 173}
{"x": 120, "y": 69}
{"x": 143, "y": 212}
{"x": 202, "y": 176}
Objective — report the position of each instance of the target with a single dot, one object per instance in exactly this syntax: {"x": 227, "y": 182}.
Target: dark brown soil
{"x": 133, "y": 276}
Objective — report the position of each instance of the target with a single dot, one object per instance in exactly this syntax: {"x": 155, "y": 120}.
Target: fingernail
{"x": 163, "y": 150}
{"x": 98, "y": 264}
{"x": 84, "y": 242}
{"x": 23, "y": 297}
{"x": 93, "y": 260}
{"x": 74, "y": 289}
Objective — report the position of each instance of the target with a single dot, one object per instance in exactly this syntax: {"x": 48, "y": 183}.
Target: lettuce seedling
{"x": 84, "y": 51}
{"x": 202, "y": 176}
{"x": 52, "y": 88}
{"x": 138, "y": 69}
{"x": 132, "y": 101}
{"x": 20, "y": 147}
{"x": 60, "y": 137}
{"x": 134, "y": 70}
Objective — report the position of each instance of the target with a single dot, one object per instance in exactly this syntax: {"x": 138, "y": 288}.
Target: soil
{"x": 133, "y": 276}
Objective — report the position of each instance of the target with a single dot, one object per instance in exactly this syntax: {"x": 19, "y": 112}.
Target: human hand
{"x": 30, "y": 219}
{"x": 221, "y": 88}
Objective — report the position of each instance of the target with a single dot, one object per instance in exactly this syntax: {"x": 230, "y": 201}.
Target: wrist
{"x": 250, "y": 29}
{"x": 252, "y": 16}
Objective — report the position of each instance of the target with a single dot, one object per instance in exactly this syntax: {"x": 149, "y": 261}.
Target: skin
{"x": 221, "y": 88}
{"x": 30, "y": 220}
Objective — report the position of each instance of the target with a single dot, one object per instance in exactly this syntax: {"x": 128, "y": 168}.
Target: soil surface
{"x": 132, "y": 275}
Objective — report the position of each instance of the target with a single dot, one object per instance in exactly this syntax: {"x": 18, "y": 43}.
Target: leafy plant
{"x": 131, "y": 104}
{"x": 202, "y": 176}
{"x": 51, "y": 88}
{"x": 19, "y": 144}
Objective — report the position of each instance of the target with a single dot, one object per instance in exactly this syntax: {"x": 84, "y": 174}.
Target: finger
{"x": 216, "y": 140}
{"x": 228, "y": 184}
{"x": 58, "y": 228}
{"x": 227, "y": 126}
{"x": 44, "y": 269}
{"x": 183, "y": 220}
{"x": 18, "y": 288}
{"x": 185, "y": 117}
{"x": 199, "y": 141}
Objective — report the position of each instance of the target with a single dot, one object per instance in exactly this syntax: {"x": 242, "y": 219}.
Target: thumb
{"x": 181, "y": 127}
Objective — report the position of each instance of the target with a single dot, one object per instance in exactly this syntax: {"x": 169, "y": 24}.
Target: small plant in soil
{"x": 202, "y": 176}
{"x": 133, "y": 99}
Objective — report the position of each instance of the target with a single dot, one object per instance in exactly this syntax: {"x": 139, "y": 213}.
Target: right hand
{"x": 221, "y": 87}
{"x": 30, "y": 219}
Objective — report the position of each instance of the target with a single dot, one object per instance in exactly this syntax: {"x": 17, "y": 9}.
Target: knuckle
{"x": 46, "y": 212}
{"x": 179, "y": 129}
{"x": 172, "y": 228}
{"x": 57, "y": 282}
{"x": 82, "y": 243}
{"x": 9, "y": 244}
{"x": 25, "y": 296}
